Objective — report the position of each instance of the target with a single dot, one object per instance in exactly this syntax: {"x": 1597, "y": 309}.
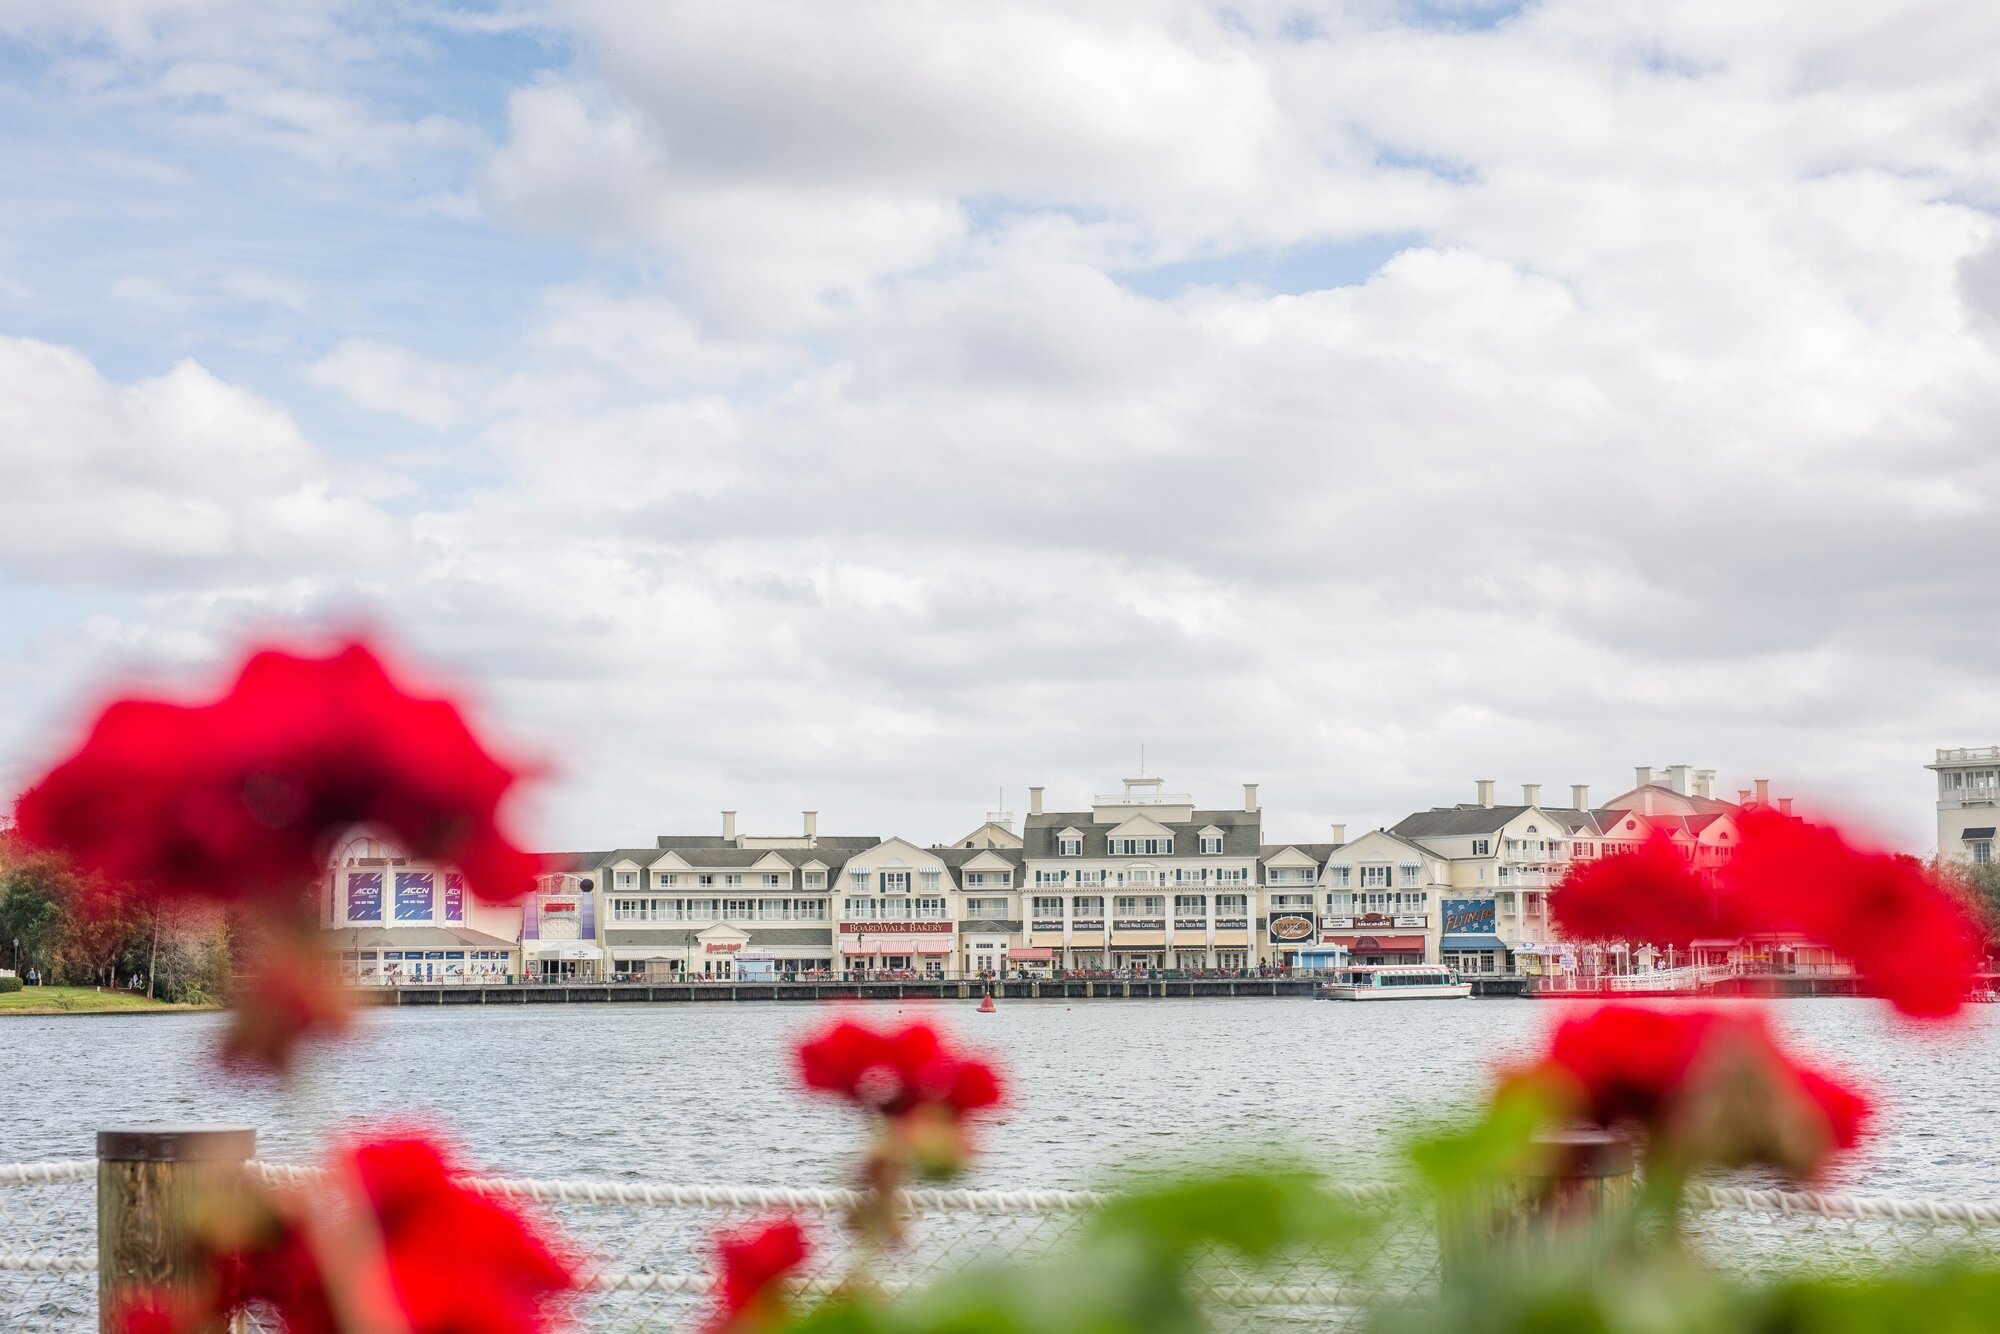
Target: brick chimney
{"x": 1034, "y": 801}
{"x": 1249, "y": 796}
{"x": 1485, "y": 786}
{"x": 1531, "y": 794}
{"x": 1579, "y": 796}
{"x": 729, "y": 824}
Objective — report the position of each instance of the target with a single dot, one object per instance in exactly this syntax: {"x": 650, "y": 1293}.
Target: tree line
{"x": 76, "y": 931}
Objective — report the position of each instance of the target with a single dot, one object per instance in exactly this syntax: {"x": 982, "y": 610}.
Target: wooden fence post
{"x": 1588, "y": 1175}
{"x": 147, "y": 1178}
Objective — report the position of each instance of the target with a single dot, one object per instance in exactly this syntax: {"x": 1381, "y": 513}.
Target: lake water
{"x": 704, "y": 1093}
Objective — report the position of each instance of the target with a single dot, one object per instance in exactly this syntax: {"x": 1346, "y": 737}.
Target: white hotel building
{"x": 1140, "y": 879}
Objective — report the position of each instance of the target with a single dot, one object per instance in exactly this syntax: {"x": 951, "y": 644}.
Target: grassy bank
{"x": 83, "y": 1000}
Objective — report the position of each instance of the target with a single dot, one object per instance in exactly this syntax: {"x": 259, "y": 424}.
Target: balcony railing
{"x": 1970, "y": 755}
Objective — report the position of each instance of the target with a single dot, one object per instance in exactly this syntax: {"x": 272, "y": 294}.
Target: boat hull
{"x": 1442, "y": 991}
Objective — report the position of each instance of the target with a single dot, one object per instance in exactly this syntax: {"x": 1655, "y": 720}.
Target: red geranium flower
{"x": 240, "y": 799}
{"x": 405, "y": 1241}
{"x": 1648, "y": 895}
{"x": 754, "y": 1260}
{"x": 897, "y": 1073}
{"x": 1898, "y": 922}
{"x": 1709, "y": 1087}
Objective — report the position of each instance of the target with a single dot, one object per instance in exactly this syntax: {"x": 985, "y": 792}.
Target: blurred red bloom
{"x": 238, "y": 800}
{"x": 754, "y": 1260}
{"x": 1649, "y": 895}
{"x": 150, "y": 1311}
{"x": 1710, "y": 1087}
{"x": 897, "y": 1072}
{"x": 403, "y": 1235}
{"x": 1902, "y": 927}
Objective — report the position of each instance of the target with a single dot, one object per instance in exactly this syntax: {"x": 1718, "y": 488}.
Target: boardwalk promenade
{"x": 570, "y": 993}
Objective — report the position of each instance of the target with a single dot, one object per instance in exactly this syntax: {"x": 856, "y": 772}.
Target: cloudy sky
{"x": 877, "y": 407}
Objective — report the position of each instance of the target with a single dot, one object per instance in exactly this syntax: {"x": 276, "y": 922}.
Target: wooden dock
{"x": 660, "y": 993}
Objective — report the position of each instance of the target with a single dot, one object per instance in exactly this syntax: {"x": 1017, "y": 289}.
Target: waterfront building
{"x": 1968, "y": 802}
{"x": 1500, "y": 864}
{"x": 1143, "y": 879}
{"x": 391, "y": 918}
{"x": 725, "y": 906}
{"x": 1383, "y": 897}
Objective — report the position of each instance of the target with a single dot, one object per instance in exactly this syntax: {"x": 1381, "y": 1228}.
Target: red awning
{"x": 933, "y": 945}
{"x": 893, "y": 945}
{"x": 1032, "y": 955}
{"x": 853, "y": 945}
{"x": 1379, "y": 944}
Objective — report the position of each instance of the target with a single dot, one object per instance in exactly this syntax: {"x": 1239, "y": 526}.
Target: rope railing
{"x": 835, "y": 1200}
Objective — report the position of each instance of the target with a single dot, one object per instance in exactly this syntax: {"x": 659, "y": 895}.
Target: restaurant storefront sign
{"x": 897, "y": 928}
{"x": 1190, "y": 924}
{"x": 1139, "y": 924}
{"x": 1293, "y": 928}
{"x": 725, "y": 947}
{"x": 1232, "y": 924}
{"x": 1468, "y": 916}
{"x": 1088, "y": 924}
{"x": 1046, "y": 925}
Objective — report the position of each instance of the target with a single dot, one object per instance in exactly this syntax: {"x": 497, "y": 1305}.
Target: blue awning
{"x": 1470, "y": 941}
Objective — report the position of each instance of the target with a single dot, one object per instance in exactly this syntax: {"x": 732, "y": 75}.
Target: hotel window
{"x": 1226, "y": 904}
{"x": 895, "y": 882}
{"x": 1340, "y": 904}
{"x": 1411, "y": 874}
{"x": 663, "y": 879}
{"x": 815, "y": 880}
{"x": 624, "y": 910}
{"x": 859, "y": 876}
{"x": 896, "y": 910}
{"x": 732, "y": 882}
{"x": 705, "y": 881}
{"x": 1584, "y": 849}
{"x": 1280, "y": 902}
{"x": 809, "y": 910}
{"x": 1190, "y": 905}
{"x": 628, "y": 879}
{"x": 928, "y": 879}
{"x": 1412, "y": 902}
{"x": 1211, "y": 844}
{"x": 1340, "y": 876}
{"x": 1069, "y": 847}
{"x": 1982, "y": 852}
{"x": 1374, "y": 876}
{"x": 739, "y": 909}
{"x": 1377, "y": 902}
{"x": 987, "y": 908}
{"x": 859, "y": 909}
{"x": 1126, "y": 904}
{"x": 701, "y": 910}
{"x": 1048, "y": 907}
{"x": 773, "y": 881}
{"x": 1088, "y": 905}
{"x": 774, "y": 910}
{"x": 930, "y": 908}
{"x": 1482, "y": 847}
{"x": 1004, "y": 879}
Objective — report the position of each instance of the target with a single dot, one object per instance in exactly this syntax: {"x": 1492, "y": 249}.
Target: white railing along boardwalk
{"x": 649, "y": 1243}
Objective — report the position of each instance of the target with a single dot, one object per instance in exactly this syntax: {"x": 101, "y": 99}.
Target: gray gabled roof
{"x": 568, "y": 863}
{"x": 1242, "y": 832}
{"x": 1453, "y": 821}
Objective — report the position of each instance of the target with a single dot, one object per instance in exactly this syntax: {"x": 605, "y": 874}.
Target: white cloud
{"x": 862, "y": 478}
{"x": 169, "y": 479}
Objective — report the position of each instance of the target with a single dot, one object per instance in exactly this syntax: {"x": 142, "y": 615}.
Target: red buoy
{"x": 987, "y": 1006}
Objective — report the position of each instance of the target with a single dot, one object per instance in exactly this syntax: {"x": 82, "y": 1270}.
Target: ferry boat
{"x": 1396, "y": 982}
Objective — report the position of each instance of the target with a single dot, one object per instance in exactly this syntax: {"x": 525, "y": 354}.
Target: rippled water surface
{"x": 704, "y": 1094}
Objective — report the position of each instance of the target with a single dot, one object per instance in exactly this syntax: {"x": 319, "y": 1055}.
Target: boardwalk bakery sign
{"x": 896, "y": 928}
{"x": 1293, "y": 926}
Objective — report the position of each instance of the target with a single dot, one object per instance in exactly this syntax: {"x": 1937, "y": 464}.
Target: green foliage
{"x": 10, "y": 984}
{"x": 1134, "y": 1268}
